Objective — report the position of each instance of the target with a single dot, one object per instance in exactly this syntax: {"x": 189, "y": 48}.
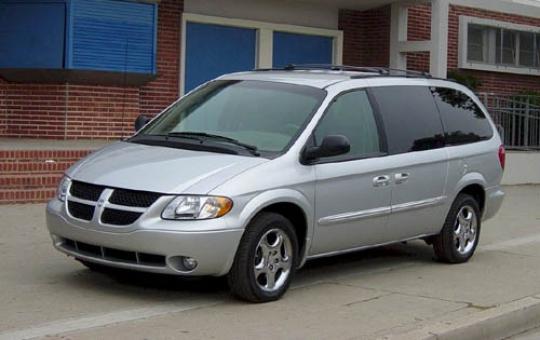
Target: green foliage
{"x": 534, "y": 97}
{"x": 465, "y": 79}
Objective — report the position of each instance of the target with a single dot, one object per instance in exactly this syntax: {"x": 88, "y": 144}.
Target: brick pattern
{"x": 366, "y": 36}
{"x": 419, "y": 22}
{"x": 160, "y": 93}
{"x": 31, "y": 176}
{"x": 418, "y": 61}
{"x": 96, "y": 112}
{"x": 66, "y": 111}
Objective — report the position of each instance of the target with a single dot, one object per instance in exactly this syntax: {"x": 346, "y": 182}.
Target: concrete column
{"x": 398, "y": 35}
{"x": 265, "y": 48}
{"x": 439, "y": 38}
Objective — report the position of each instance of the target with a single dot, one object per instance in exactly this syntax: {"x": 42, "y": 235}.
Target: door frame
{"x": 264, "y": 39}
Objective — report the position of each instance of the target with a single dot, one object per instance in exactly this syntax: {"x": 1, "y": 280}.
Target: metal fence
{"x": 517, "y": 117}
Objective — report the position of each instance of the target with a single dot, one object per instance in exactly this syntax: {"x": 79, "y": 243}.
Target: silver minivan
{"x": 254, "y": 173}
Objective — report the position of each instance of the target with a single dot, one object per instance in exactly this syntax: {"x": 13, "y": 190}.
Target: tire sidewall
{"x": 461, "y": 201}
{"x": 262, "y": 226}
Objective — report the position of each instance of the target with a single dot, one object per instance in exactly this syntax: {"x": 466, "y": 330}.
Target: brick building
{"x": 99, "y": 64}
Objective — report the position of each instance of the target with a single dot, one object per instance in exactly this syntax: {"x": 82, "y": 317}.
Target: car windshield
{"x": 263, "y": 116}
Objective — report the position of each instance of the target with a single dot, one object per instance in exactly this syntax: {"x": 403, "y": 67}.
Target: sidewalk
{"x": 393, "y": 292}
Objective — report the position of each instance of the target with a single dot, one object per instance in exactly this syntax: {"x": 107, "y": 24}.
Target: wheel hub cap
{"x": 273, "y": 260}
{"x": 465, "y": 230}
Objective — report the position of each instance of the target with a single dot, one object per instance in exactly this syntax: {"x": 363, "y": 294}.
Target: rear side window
{"x": 351, "y": 115}
{"x": 411, "y": 119}
{"x": 463, "y": 120}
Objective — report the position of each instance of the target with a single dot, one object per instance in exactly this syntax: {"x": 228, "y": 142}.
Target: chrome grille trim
{"x": 102, "y": 203}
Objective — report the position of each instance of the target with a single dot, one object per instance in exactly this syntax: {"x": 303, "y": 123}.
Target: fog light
{"x": 182, "y": 264}
{"x": 189, "y": 263}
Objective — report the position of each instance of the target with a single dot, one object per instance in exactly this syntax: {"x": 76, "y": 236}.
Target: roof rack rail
{"x": 380, "y": 71}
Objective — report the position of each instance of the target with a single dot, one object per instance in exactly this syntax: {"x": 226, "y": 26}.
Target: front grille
{"x": 119, "y": 217}
{"x": 114, "y": 255}
{"x": 81, "y": 211}
{"x": 121, "y": 207}
{"x": 132, "y": 198}
{"x": 90, "y": 192}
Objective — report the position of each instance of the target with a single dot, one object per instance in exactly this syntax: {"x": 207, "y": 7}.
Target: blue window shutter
{"x": 292, "y": 48}
{"x": 213, "y": 50}
{"x": 32, "y": 34}
{"x": 112, "y": 35}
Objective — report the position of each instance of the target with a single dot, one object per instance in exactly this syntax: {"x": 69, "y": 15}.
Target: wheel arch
{"x": 289, "y": 203}
{"x": 473, "y": 184}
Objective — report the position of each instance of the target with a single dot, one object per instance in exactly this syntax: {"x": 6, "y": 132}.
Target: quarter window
{"x": 463, "y": 120}
{"x": 410, "y": 118}
{"x": 351, "y": 115}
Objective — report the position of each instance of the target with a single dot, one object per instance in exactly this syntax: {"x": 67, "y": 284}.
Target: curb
{"x": 495, "y": 323}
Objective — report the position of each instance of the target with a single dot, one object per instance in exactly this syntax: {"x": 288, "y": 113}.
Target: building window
{"x": 213, "y": 46}
{"x": 112, "y": 42}
{"x": 499, "y": 46}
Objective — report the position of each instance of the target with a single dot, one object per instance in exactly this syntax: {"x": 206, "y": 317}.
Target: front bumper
{"x": 214, "y": 250}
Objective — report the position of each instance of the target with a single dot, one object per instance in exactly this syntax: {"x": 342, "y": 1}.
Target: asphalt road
{"x": 368, "y": 294}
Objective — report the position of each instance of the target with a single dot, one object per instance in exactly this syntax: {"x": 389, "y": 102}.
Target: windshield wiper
{"x": 194, "y": 135}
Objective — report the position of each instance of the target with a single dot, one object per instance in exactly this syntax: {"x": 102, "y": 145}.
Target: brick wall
{"x": 85, "y": 111}
{"x": 366, "y": 36}
{"x": 161, "y": 92}
{"x": 419, "y": 22}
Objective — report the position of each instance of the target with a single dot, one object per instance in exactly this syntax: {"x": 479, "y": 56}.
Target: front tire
{"x": 266, "y": 259}
{"x": 461, "y": 231}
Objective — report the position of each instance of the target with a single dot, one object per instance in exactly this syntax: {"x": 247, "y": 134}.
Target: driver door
{"x": 352, "y": 191}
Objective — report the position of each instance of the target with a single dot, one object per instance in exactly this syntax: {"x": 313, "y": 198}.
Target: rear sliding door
{"x": 417, "y": 160}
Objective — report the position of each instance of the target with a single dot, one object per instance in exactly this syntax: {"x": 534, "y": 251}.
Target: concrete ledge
{"x": 522, "y": 167}
{"x": 495, "y": 323}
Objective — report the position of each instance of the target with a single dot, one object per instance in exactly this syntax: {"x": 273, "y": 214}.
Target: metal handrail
{"x": 518, "y": 117}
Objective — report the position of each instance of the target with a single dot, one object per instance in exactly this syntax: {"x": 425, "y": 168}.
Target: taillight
{"x": 502, "y": 156}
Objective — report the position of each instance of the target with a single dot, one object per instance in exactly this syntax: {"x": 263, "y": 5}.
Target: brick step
{"x": 30, "y": 181}
{"x": 31, "y": 176}
{"x": 16, "y": 196}
{"x": 34, "y": 167}
{"x": 32, "y": 155}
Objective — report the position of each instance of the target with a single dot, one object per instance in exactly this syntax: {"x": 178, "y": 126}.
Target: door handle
{"x": 381, "y": 181}
{"x": 401, "y": 177}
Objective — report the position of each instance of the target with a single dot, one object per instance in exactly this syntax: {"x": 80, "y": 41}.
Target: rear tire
{"x": 461, "y": 231}
{"x": 266, "y": 259}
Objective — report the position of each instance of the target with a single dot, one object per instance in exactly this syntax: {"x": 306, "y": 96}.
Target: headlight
{"x": 63, "y": 188}
{"x": 197, "y": 208}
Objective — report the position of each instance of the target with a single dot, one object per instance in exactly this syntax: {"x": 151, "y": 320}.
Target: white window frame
{"x": 264, "y": 40}
{"x": 463, "y": 62}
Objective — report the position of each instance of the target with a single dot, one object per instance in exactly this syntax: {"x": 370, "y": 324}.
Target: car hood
{"x": 159, "y": 169}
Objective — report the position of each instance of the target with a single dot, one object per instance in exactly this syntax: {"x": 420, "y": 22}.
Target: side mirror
{"x": 332, "y": 145}
{"x": 141, "y": 121}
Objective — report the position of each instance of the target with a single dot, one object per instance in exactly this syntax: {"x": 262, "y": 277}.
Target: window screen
{"x": 410, "y": 117}
{"x": 351, "y": 115}
{"x": 464, "y": 122}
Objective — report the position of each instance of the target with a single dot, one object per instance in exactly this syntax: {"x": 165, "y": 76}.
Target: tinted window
{"x": 410, "y": 117}
{"x": 351, "y": 115}
{"x": 464, "y": 121}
